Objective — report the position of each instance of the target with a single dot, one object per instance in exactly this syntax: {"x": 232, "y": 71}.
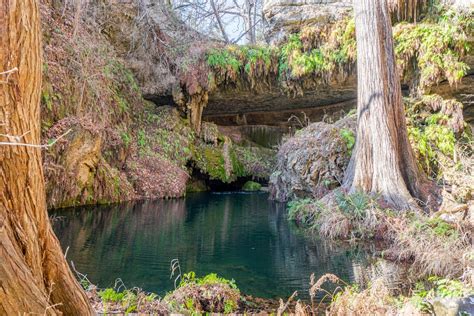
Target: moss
{"x": 142, "y": 139}
{"x": 166, "y": 135}
{"x": 254, "y": 161}
{"x": 210, "y": 293}
{"x": 251, "y": 186}
{"x": 126, "y": 138}
{"x": 46, "y": 96}
{"x": 210, "y": 160}
{"x": 316, "y": 51}
{"x": 121, "y": 102}
{"x": 436, "y": 226}
{"x": 243, "y": 162}
{"x": 234, "y": 65}
{"x": 238, "y": 168}
{"x": 303, "y": 211}
{"x": 427, "y": 52}
{"x": 300, "y": 56}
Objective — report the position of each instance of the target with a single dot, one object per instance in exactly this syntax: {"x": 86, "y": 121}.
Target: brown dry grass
{"x": 143, "y": 304}
{"x": 432, "y": 252}
{"x": 375, "y": 300}
{"x": 431, "y": 245}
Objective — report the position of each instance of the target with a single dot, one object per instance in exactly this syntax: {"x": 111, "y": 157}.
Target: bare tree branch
{"x": 15, "y": 140}
{"x": 219, "y": 21}
{"x": 230, "y": 20}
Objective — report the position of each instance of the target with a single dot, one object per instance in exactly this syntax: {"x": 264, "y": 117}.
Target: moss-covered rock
{"x": 312, "y": 162}
{"x": 251, "y": 186}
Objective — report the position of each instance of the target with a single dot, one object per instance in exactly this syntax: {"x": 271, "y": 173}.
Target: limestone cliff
{"x": 100, "y": 61}
{"x": 285, "y": 17}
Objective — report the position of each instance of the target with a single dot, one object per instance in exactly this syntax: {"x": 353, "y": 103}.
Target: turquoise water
{"x": 236, "y": 235}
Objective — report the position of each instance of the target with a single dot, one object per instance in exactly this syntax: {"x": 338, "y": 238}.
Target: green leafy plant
{"x": 355, "y": 204}
{"x": 223, "y": 59}
{"x": 431, "y": 137}
{"x": 212, "y": 278}
{"x": 141, "y": 139}
{"x": 126, "y": 138}
{"x": 437, "y": 226}
{"x": 432, "y": 50}
{"x": 436, "y": 286}
{"x": 304, "y": 211}
{"x": 349, "y": 138}
{"x": 229, "y": 306}
{"x": 110, "y": 295}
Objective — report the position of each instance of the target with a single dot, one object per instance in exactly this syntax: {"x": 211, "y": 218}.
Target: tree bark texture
{"x": 382, "y": 161}
{"x": 34, "y": 275}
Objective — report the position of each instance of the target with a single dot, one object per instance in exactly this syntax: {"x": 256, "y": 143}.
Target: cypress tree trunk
{"x": 34, "y": 275}
{"x": 382, "y": 161}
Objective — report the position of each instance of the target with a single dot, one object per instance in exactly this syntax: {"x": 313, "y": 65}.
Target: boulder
{"x": 312, "y": 162}
{"x": 453, "y": 306}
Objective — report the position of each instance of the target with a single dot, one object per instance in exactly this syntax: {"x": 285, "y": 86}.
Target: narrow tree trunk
{"x": 382, "y": 161}
{"x": 254, "y": 23}
{"x": 219, "y": 22}
{"x": 34, "y": 275}
{"x": 249, "y": 23}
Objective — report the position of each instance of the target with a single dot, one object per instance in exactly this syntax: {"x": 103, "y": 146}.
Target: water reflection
{"x": 240, "y": 236}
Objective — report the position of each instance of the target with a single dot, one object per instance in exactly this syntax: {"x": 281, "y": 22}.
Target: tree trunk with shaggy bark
{"x": 382, "y": 161}
{"x": 34, "y": 275}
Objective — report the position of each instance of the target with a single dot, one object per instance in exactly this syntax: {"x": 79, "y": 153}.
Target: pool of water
{"x": 239, "y": 236}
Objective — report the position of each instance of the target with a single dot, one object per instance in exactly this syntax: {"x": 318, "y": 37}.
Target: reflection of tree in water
{"x": 240, "y": 236}
{"x": 295, "y": 253}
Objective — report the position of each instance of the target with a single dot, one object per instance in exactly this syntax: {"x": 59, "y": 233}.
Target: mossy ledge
{"x": 427, "y": 52}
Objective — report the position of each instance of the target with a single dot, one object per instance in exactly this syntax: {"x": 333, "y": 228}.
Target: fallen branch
{"x": 8, "y": 73}
{"x": 15, "y": 141}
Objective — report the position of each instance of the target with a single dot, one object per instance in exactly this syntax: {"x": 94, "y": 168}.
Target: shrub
{"x": 210, "y": 293}
{"x": 303, "y": 211}
{"x": 349, "y": 138}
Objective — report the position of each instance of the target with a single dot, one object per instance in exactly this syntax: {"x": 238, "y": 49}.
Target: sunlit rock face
{"x": 288, "y": 16}
{"x": 462, "y": 4}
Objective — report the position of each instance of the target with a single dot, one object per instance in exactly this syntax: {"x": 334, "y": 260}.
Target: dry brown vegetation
{"x": 312, "y": 162}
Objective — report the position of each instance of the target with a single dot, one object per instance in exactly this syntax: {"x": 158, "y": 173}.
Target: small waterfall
{"x": 264, "y": 135}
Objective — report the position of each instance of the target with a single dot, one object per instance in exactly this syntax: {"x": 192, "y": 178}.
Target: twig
{"x": 17, "y": 143}
{"x": 51, "y": 306}
{"x": 282, "y": 307}
{"x": 8, "y": 73}
{"x": 175, "y": 266}
{"x": 80, "y": 276}
{"x": 120, "y": 283}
